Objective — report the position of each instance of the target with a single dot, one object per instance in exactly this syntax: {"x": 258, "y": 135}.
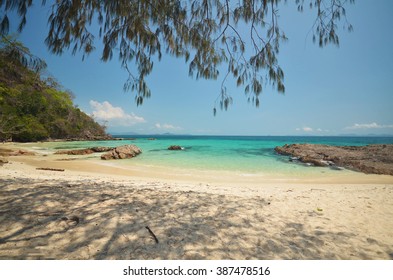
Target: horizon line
{"x": 234, "y": 135}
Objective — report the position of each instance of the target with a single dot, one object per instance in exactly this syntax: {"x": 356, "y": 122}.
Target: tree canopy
{"x": 203, "y": 32}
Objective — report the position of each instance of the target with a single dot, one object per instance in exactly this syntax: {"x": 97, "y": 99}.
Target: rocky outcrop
{"x": 5, "y": 153}
{"x": 175, "y": 148}
{"x": 370, "y": 159}
{"x": 101, "y": 149}
{"x": 21, "y": 153}
{"x": 85, "y": 151}
{"x": 122, "y": 152}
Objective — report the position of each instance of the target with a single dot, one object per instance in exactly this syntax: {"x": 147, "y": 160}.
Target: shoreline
{"x": 126, "y": 169}
{"x": 96, "y": 211}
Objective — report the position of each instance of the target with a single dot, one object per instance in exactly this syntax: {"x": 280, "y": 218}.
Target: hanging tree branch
{"x": 203, "y": 32}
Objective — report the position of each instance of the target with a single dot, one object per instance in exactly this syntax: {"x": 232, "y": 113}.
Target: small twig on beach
{"x": 152, "y": 234}
{"x": 50, "y": 169}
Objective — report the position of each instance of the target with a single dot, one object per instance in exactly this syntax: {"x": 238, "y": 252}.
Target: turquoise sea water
{"x": 243, "y": 154}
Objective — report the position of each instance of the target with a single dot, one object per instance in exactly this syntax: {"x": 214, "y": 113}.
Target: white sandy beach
{"x": 99, "y": 211}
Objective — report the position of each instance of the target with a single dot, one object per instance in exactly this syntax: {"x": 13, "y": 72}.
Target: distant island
{"x": 37, "y": 108}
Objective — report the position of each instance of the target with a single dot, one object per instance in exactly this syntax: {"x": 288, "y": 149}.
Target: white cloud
{"x": 114, "y": 115}
{"x": 369, "y": 126}
{"x": 305, "y": 129}
{"x": 310, "y": 129}
{"x": 167, "y": 126}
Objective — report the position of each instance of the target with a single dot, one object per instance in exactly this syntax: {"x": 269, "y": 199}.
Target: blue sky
{"x": 329, "y": 91}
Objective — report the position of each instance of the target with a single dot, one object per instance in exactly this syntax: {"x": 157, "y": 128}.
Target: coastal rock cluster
{"x": 5, "y": 153}
{"x": 8, "y": 152}
{"x": 85, "y": 151}
{"x": 370, "y": 159}
{"x": 122, "y": 152}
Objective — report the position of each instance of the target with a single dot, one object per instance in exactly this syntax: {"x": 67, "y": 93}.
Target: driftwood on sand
{"x": 50, "y": 169}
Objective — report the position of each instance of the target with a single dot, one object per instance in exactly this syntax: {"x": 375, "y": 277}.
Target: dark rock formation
{"x": 175, "y": 148}
{"x": 85, "y": 151}
{"x": 101, "y": 149}
{"x": 122, "y": 152}
{"x": 370, "y": 159}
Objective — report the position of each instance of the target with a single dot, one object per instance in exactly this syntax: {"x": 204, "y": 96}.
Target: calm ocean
{"x": 245, "y": 154}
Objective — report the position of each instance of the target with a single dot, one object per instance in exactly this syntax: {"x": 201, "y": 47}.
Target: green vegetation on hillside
{"x": 35, "y": 108}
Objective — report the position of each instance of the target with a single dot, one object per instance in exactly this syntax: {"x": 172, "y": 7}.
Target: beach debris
{"x": 152, "y": 234}
{"x": 50, "y": 169}
{"x": 175, "y": 148}
{"x": 319, "y": 209}
{"x": 122, "y": 152}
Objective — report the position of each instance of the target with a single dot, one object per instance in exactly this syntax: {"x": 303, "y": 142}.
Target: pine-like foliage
{"x": 203, "y": 32}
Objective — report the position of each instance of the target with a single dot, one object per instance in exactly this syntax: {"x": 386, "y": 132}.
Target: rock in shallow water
{"x": 175, "y": 148}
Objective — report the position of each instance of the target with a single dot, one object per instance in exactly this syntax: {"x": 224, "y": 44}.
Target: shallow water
{"x": 244, "y": 155}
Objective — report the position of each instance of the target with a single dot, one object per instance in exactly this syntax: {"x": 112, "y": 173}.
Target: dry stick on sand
{"x": 152, "y": 234}
{"x": 50, "y": 169}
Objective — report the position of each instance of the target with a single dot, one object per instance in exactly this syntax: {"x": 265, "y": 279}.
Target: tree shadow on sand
{"x": 84, "y": 220}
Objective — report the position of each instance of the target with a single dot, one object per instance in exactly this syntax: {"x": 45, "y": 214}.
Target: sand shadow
{"x": 36, "y": 223}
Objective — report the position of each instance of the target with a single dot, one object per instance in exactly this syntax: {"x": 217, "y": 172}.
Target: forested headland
{"x": 33, "y": 105}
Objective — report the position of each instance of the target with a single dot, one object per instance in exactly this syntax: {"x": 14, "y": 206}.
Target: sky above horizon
{"x": 329, "y": 91}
